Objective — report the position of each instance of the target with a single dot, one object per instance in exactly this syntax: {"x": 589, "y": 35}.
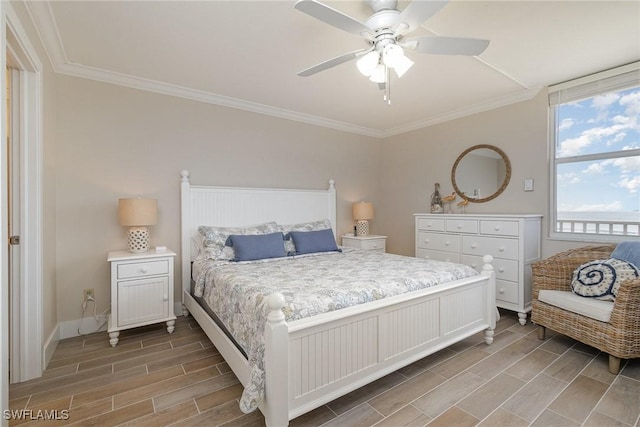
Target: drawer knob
{"x": 447, "y": 243}
{"x": 501, "y": 248}
{"x": 497, "y": 228}
{"x": 501, "y": 291}
{"x": 474, "y": 265}
{"x": 165, "y": 298}
{"x": 473, "y": 246}
{"x": 426, "y": 240}
{"x": 144, "y": 270}
{"x": 459, "y": 226}
{"x": 375, "y": 245}
{"x": 501, "y": 270}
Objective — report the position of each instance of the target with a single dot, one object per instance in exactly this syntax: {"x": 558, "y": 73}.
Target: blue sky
{"x": 602, "y": 124}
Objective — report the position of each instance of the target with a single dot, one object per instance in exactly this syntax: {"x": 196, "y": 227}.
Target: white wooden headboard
{"x": 238, "y": 207}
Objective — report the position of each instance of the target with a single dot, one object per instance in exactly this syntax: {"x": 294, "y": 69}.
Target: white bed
{"x": 302, "y": 372}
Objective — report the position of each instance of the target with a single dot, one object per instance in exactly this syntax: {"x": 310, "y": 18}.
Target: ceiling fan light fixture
{"x": 379, "y": 75}
{"x": 402, "y": 66}
{"x": 392, "y": 54}
{"x": 368, "y": 63}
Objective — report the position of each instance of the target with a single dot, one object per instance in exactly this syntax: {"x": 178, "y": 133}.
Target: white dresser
{"x": 512, "y": 240}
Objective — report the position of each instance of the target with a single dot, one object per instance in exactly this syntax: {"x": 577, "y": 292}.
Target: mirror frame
{"x": 499, "y": 191}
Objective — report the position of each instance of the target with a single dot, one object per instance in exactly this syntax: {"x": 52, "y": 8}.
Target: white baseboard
{"x": 50, "y": 346}
{"x": 77, "y": 327}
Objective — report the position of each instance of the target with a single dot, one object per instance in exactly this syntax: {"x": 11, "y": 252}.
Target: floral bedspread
{"x": 311, "y": 285}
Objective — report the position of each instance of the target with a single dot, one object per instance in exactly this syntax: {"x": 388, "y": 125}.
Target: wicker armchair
{"x": 620, "y": 337}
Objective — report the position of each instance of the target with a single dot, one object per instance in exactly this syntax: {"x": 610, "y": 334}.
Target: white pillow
{"x": 601, "y": 279}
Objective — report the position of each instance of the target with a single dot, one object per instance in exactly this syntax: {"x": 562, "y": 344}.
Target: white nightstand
{"x": 370, "y": 242}
{"x": 141, "y": 290}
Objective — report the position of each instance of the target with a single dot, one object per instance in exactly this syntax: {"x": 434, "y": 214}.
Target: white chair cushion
{"x": 590, "y": 307}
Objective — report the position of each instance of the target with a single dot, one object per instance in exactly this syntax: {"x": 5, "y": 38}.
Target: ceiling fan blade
{"x": 417, "y": 12}
{"x": 331, "y": 62}
{"x": 446, "y": 45}
{"x": 332, "y": 16}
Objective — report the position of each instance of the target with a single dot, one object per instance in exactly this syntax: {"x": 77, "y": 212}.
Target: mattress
{"x": 311, "y": 285}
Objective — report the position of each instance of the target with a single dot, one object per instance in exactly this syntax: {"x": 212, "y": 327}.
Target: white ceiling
{"x": 245, "y": 54}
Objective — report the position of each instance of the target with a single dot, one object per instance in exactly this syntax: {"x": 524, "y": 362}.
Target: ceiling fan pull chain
{"x": 387, "y": 86}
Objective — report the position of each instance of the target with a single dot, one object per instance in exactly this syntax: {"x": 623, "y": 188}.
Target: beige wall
{"x": 414, "y": 161}
{"x": 118, "y": 142}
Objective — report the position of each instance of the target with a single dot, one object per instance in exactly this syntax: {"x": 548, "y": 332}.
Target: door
{"x": 13, "y": 216}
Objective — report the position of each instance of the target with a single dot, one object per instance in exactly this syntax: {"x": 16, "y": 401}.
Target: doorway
{"x": 22, "y": 202}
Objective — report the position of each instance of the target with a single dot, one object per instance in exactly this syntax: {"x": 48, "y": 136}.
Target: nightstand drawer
{"x": 142, "y": 269}
{"x": 373, "y": 244}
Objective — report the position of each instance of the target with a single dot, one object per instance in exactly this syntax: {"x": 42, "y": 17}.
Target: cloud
{"x": 632, "y": 184}
{"x": 614, "y": 206}
{"x": 567, "y": 178}
{"x": 602, "y": 103}
{"x": 595, "y": 168}
{"x": 566, "y": 124}
{"x": 619, "y": 128}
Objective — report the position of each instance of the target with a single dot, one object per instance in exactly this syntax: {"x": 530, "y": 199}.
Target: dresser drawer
{"x": 438, "y": 255}
{"x": 439, "y": 242}
{"x": 431, "y": 224}
{"x": 462, "y": 226}
{"x": 505, "y": 269}
{"x": 507, "y": 291}
{"x": 495, "y": 246}
{"x": 142, "y": 269}
{"x": 499, "y": 228}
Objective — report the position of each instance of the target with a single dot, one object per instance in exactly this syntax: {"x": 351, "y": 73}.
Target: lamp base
{"x": 362, "y": 227}
{"x": 138, "y": 239}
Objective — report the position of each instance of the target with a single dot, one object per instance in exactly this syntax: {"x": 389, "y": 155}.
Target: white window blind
{"x": 595, "y": 84}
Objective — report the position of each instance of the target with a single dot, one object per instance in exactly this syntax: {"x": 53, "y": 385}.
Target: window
{"x": 595, "y": 174}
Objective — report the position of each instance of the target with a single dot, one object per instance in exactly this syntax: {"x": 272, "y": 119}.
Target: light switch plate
{"x": 528, "y": 184}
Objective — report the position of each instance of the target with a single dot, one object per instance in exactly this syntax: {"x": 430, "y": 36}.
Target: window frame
{"x": 613, "y": 80}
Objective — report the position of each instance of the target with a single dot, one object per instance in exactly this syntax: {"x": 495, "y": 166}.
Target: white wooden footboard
{"x": 313, "y": 361}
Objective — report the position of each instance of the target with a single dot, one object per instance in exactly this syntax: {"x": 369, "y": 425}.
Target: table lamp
{"x": 362, "y": 213}
{"x": 137, "y": 214}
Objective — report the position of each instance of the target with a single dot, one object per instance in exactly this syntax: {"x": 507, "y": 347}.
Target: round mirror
{"x": 481, "y": 173}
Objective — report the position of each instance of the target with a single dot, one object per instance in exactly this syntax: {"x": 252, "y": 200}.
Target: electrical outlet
{"x": 87, "y": 293}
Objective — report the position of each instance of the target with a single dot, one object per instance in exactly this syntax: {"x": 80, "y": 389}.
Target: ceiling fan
{"x": 385, "y": 33}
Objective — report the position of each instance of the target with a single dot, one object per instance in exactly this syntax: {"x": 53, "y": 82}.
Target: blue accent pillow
{"x": 258, "y": 246}
{"x": 308, "y": 242}
{"x": 628, "y": 251}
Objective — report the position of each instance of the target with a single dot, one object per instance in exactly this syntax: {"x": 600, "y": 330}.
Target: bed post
{"x": 185, "y": 250}
{"x": 276, "y": 361}
{"x": 492, "y": 310}
{"x": 332, "y": 206}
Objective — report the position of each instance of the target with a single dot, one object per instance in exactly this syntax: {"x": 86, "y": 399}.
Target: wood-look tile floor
{"x": 154, "y": 379}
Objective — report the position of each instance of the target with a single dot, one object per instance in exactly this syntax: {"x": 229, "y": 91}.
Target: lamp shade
{"x": 137, "y": 212}
{"x": 362, "y": 210}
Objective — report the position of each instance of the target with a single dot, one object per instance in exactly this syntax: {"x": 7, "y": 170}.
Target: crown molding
{"x": 491, "y": 104}
{"x": 47, "y": 29}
